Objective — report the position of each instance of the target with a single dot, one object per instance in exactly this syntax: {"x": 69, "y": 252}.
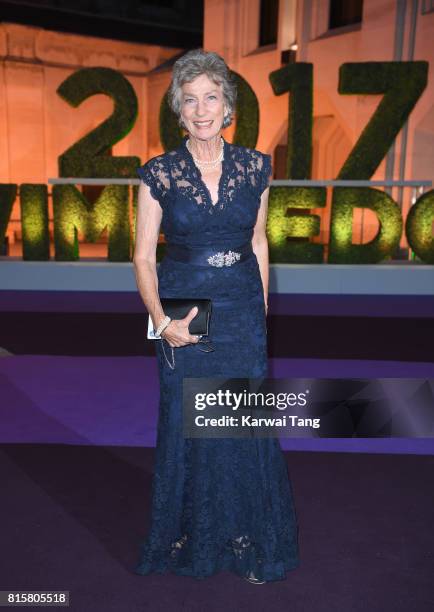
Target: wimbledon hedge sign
{"x": 290, "y": 221}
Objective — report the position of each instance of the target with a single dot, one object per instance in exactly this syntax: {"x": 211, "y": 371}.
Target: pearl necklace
{"x": 204, "y": 163}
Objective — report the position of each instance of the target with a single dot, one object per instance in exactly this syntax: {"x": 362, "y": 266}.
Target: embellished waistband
{"x": 209, "y": 256}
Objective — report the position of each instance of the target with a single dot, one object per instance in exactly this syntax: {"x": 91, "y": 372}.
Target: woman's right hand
{"x": 177, "y": 334}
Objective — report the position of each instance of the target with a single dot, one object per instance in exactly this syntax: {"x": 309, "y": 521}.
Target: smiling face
{"x": 202, "y": 107}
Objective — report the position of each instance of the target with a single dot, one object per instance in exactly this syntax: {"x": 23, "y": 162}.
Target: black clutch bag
{"x": 178, "y": 308}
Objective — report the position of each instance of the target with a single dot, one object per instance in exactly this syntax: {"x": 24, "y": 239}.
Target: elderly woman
{"x": 217, "y": 503}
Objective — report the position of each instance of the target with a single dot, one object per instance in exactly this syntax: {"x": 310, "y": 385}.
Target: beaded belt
{"x": 209, "y": 256}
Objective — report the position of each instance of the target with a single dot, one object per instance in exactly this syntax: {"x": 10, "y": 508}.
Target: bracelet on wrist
{"x": 165, "y": 322}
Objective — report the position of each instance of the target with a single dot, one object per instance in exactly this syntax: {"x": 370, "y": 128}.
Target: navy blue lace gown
{"x": 227, "y": 503}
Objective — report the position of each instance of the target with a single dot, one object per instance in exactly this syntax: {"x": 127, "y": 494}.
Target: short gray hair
{"x": 191, "y": 65}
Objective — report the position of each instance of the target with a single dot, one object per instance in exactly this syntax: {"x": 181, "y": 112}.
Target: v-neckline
{"x": 219, "y": 203}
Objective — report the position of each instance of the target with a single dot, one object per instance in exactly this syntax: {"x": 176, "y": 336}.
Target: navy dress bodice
{"x": 221, "y": 503}
{"x": 189, "y": 216}
{"x": 190, "y": 219}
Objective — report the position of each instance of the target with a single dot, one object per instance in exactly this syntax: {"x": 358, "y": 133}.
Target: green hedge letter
{"x": 289, "y": 228}
{"x": 345, "y": 200}
{"x": 72, "y": 212}
{"x": 419, "y": 227}
{"x": 34, "y": 221}
{"x": 8, "y": 193}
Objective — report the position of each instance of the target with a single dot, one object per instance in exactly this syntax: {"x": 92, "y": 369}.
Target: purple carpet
{"x": 113, "y": 401}
{"x": 72, "y": 518}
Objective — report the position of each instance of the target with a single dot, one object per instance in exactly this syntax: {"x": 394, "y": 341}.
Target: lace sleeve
{"x": 259, "y": 171}
{"x": 155, "y": 175}
{"x": 265, "y": 174}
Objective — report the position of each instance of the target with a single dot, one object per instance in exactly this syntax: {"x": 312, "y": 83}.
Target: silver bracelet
{"x": 165, "y": 322}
